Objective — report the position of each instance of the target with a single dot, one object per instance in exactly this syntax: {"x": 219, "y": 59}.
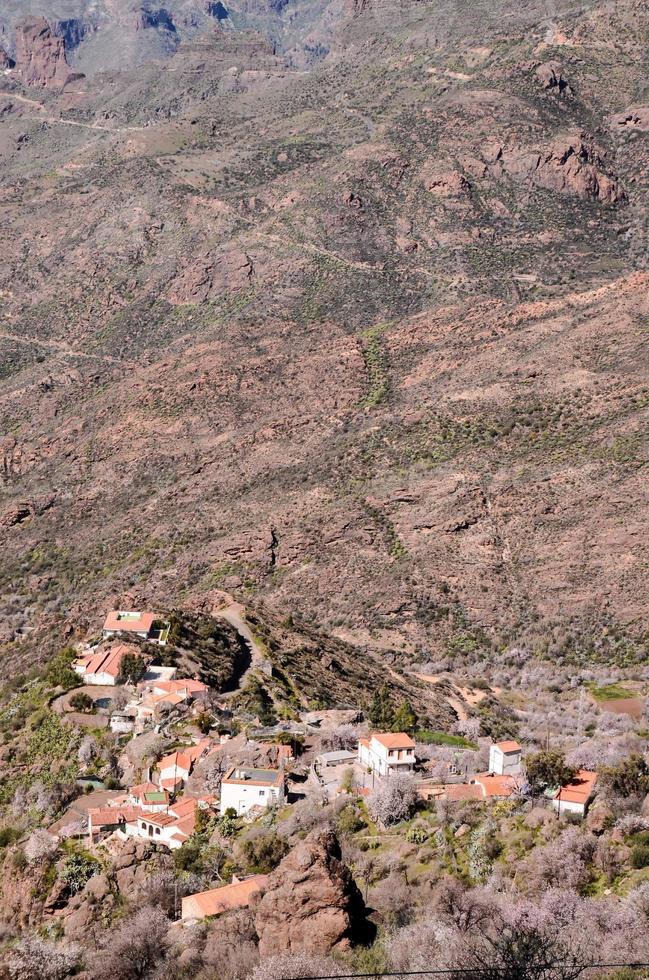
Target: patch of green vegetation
{"x": 376, "y": 365}
{"x": 51, "y": 740}
{"x": 609, "y": 692}
{"x": 429, "y": 737}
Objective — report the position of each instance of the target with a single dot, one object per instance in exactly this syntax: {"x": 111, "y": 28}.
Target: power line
{"x": 463, "y": 970}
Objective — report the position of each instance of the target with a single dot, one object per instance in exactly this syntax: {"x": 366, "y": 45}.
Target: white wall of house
{"x": 151, "y": 831}
{"x": 174, "y": 772}
{"x": 242, "y": 797}
{"x": 564, "y": 806}
{"x": 504, "y": 763}
{"x": 380, "y": 759}
{"x": 106, "y": 679}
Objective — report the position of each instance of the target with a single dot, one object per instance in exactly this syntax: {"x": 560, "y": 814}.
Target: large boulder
{"x": 311, "y": 901}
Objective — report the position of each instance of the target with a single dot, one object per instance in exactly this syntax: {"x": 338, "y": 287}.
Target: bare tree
{"x": 35, "y": 959}
{"x": 133, "y": 949}
{"x": 394, "y": 800}
{"x": 520, "y": 950}
{"x": 40, "y": 846}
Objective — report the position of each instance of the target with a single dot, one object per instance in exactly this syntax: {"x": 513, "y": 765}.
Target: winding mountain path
{"x": 234, "y": 614}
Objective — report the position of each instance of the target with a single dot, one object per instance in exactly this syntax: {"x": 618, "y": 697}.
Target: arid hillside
{"x": 367, "y": 343}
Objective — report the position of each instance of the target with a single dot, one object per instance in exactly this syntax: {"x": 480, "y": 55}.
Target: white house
{"x": 143, "y": 625}
{"x": 576, "y": 795}
{"x": 244, "y": 788}
{"x": 505, "y": 758}
{"x": 171, "y": 825}
{"x": 176, "y": 767}
{"x": 102, "y": 667}
{"x": 387, "y": 753}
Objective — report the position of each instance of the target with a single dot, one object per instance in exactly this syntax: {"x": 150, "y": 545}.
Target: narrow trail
{"x": 234, "y": 614}
{"x": 93, "y": 127}
{"x": 61, "y": 347}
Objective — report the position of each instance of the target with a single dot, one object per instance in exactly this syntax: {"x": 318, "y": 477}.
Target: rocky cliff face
{"x": 311, "y": 901}
{"x": 40, "y": 55}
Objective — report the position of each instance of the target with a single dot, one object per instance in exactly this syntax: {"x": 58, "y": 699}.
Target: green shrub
{"x": 443, "y": 738}
{"x": 263, "y": 852}
{"x": 60, "y": 673}
{"x": 8, "y": 835}
{"x": 77, "y": 870}
{"x": 81, "y": 702}
{"x": 349, "y": 820}
{"x": 417, "y": 834}
{"x": 640, "y": 856}
{"x": 132, "y": 668}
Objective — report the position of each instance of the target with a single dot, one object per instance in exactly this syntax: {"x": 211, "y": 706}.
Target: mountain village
{"x": 224, "y": 773}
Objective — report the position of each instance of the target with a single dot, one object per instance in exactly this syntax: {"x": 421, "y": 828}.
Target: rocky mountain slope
{"x": 367, "y": 342}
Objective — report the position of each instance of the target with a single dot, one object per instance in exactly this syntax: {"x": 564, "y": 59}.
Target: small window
{"x": 262, "y": 792}
{"x": 157, "y": 830}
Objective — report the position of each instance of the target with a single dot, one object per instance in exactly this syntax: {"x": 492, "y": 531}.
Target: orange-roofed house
{"x": 143, "y": 625}
{"x": 102, "y": 667}
{"x": 186, "y": 688}
{"x": 202, "y": 905}
{"x": 104, "y": 820}
{"x": 495, "y": 786}
{"x": 576, "y": 795}
{"x": 149, "y": 797}
{"x": 505, "y": 758}
{"x": 178, "y": 765}
{"x": 387, "y": 753}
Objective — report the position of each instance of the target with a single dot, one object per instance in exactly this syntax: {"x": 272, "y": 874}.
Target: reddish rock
{"x": 311, "y": 901}
{"x": 550, "y": 76}
{"x": 15, "y": 515}
{"x": 40, "y": 56}
{"x": 570, "y": 165}
{"x": 453, "y": 184}
{"x": 210, "y": 275}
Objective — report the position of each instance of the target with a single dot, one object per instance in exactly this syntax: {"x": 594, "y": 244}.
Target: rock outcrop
{"x": 40, "y": 55}
{"x": 570, "y": 165}
{"x": 5, "y": 60}
{"x": 311, "y": 901}
{"x": 551, "y": 77}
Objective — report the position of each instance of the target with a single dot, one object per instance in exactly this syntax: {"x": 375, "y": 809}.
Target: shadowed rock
{"x": 311, "y": 901}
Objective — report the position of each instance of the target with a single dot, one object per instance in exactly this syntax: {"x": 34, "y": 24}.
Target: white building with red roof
{"x": 103, "y": 665}
{"x": 576, "y": 795}
{"x": 387, "y": 753}
{"x": 505, "y": 758}
{"x": 175, "y": 768}
{"x": 243, "y": 788}
{"x": 170, "y": 824}
{"x": 143, "y": 625}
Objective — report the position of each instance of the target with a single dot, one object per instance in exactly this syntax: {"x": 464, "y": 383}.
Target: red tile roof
{"x": 180, "y": 687}
{"x": 579, "y": 790}
{"x": 463, "y": 791}
{"x": 217, "y": 900}
{"x": 110, "y": 816}
{"x": 495, "y": 785}
{"x": 107, "y": 661}
{"x": 508, "y": 746}
{"x": 129, "y": 622}
{"x": 394, "y": 740}
{"x": 185, "y": 758}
